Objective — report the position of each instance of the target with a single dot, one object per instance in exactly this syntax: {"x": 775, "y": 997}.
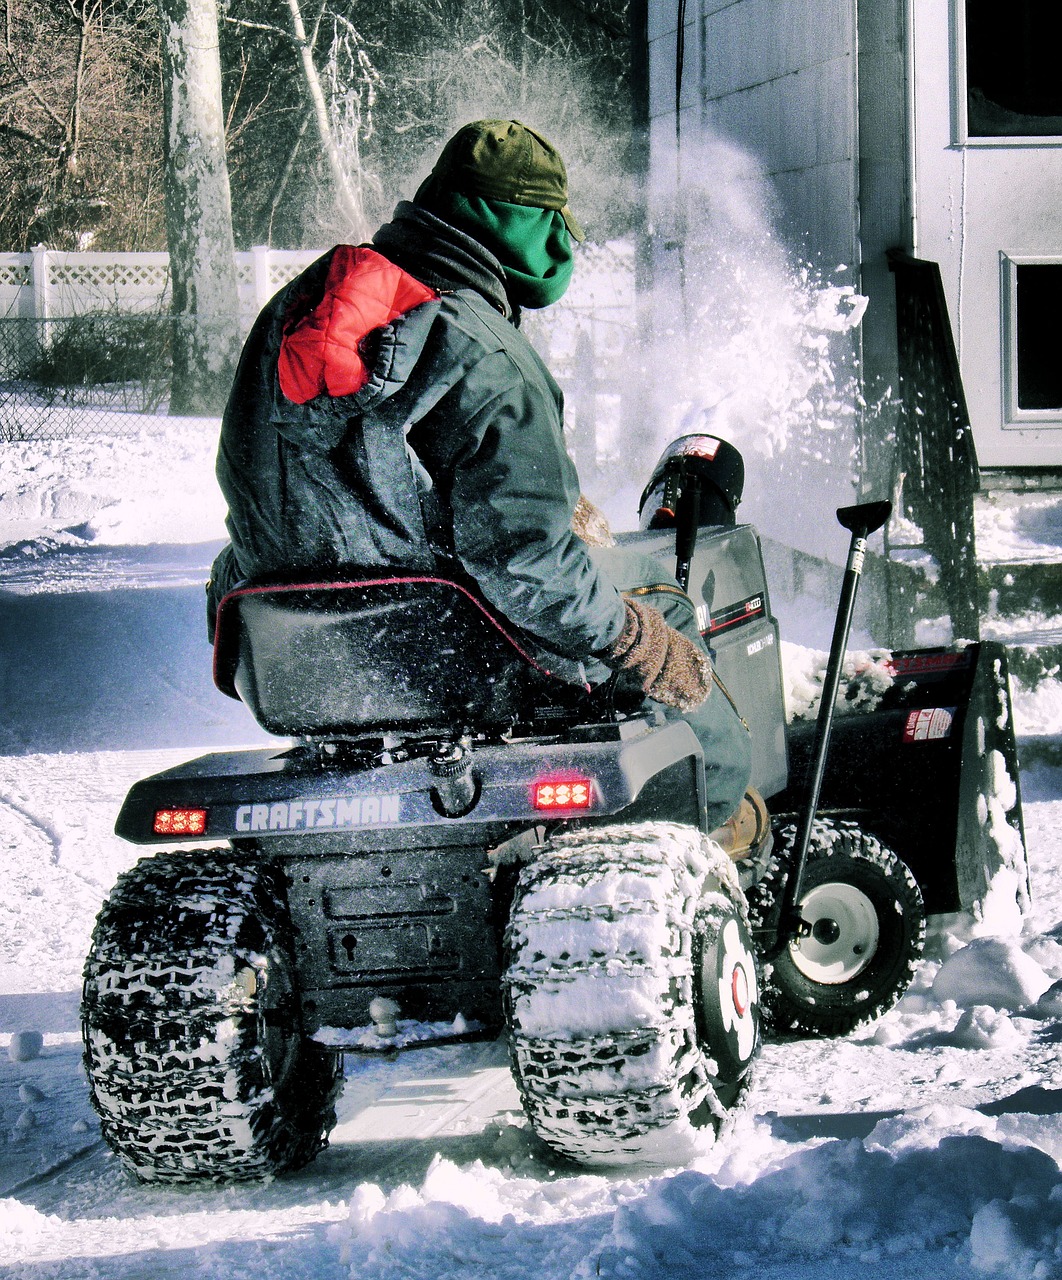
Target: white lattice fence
{"x": 85, "y": 337}
{"x": 47, "y": 285}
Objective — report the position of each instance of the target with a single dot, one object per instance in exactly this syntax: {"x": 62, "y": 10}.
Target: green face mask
{"x": 532, "y": 245}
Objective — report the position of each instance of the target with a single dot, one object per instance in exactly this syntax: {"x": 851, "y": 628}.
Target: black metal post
{"x": 687, "y": 521}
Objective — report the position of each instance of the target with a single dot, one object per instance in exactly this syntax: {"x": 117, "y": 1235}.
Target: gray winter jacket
{"x": 451, "y": 457}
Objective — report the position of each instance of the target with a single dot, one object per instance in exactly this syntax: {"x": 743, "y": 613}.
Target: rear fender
{"x": 389, "y": 897}
{"x": 644, "y": 768}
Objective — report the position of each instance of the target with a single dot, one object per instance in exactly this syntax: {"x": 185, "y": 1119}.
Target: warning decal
{"x": 699, "y": 447}
{"x": 929, "y": 723}
{"x": 923, "y": 664}
{"x": 738, "y": 614}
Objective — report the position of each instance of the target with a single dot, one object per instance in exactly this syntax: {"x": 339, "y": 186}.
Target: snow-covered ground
{"x": 927, "y": 1144}
{"x": 1012, "y": 528}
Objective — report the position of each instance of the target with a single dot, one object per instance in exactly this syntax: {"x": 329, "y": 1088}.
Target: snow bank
{"x": 858, "y": 1208}
{"x": 993, "y": 972}
{"x": 156, "y": 487}
{"x": 1012, "y": 528}
{"x": 477, "y": 1221}
{"x": 1037, "y": 712}
{"x": 932, "y": 1190}
{"x": 21, "y": 1222}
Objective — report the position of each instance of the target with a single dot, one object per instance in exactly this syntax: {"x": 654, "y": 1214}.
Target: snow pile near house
{"x": 1012, "y": 528}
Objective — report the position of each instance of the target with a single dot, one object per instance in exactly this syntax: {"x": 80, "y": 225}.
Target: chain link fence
{"x": 83, "y": 376}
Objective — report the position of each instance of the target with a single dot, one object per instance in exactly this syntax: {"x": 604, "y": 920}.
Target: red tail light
{"x": 180, "y": 822}
{"x": 563, "y": 793}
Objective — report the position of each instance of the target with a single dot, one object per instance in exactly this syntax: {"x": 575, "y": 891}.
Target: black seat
{"x": 382, "y": 653}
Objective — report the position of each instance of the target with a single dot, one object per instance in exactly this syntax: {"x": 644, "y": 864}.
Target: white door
{"x": 986, "y": 109}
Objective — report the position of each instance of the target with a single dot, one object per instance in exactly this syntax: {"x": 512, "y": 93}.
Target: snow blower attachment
{"x": 929, "y": 764}
{"x": 841, "y": 935}
{"x": 453, "y": 841}
{"x": 887, "y": 833}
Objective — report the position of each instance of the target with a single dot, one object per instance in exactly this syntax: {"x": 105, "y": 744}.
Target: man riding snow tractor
{"x": 388, "y": 413}
{"x": 451, "y": 841}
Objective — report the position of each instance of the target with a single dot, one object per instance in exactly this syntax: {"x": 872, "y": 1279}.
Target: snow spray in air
{"x": 726, "y": 334}
{"x": 759, "y": 349}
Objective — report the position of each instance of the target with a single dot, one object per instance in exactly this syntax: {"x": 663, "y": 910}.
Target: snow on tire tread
{"x": 171, "y": 1050}
{"x": 601, "y": 992}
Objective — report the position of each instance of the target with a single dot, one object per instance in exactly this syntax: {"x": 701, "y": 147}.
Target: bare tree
{"x": 80, "y": 151}
{"x": 340, "y": 83}
{"x": 353, "y": 83}
{"x": 348, "y": 195}
{"x": 332, "y": 110}
{"x": 205, "y": 304}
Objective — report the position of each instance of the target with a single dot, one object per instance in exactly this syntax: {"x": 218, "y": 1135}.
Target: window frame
{"x": 960, "y": 113}
{"x": 1015, "y": 418}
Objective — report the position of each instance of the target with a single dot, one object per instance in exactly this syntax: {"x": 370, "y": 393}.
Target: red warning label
{"x": 920, "y": 664}
{"x": 928, "y": 724}
{"x": 700, "y": 447}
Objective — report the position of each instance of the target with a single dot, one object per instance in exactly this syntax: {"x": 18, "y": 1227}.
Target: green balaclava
{"x": 506, "y": 186}
{"x": 532, "y": 245}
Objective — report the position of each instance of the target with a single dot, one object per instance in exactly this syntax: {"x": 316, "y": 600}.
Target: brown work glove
{"x": 672, "y": 669}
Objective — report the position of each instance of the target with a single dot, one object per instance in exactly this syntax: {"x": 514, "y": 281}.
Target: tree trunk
{"x": 348, "y": 200}
{"x": 206, "y": 331}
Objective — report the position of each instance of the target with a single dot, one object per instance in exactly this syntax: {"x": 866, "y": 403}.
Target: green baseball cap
{"x": 505, "y": 160}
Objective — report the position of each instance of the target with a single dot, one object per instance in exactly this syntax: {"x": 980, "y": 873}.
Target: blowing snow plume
{"x": 758, "y": 349}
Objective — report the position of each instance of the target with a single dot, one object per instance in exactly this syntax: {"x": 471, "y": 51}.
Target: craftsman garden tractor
{"x": 450, "y": 842}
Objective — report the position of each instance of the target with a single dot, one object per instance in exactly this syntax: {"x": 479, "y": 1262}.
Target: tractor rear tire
{"x": 193, "y": 1050}
{"x": 868, "y": 928}
{"x": 631, "y": 994}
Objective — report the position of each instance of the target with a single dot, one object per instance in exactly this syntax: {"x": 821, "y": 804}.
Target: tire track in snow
{"x": 49, "y": 832}
{"x": 53, "y": 836}
{"x": 54, "y": 1172}
{"x": 48, "y": 907}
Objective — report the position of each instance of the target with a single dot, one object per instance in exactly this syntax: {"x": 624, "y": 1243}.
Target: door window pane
{"x": 1039, "y": 335}
{"x": 1013, "y": 58}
